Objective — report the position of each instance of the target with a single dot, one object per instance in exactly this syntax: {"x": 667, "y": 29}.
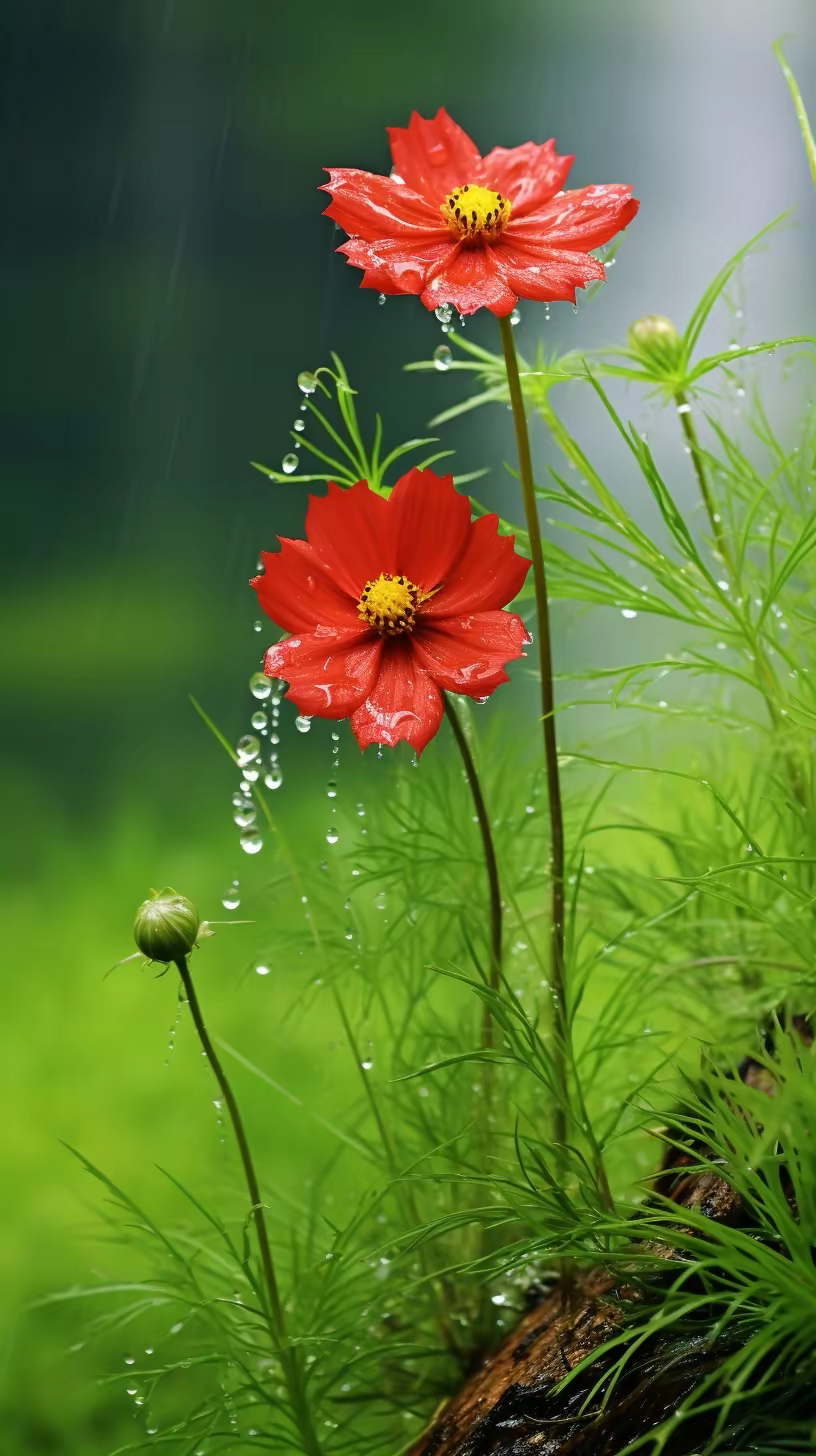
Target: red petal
{"x": 529, "y": 175}
{"x": 296, "y": 592}
{"x": 543, "y": 273}
{"x": 433, "y": 156}
{"x": 471, "y": 281}
{"x": 404, "y": 705}
{"x": 468, "y": 654}
{"x": 398, "y": 265}
{"x": 349, "y": 530}
{"x": 329, "y": 673}
{"x": 487, "y": 575}
{"x": 370, "y": 207}
{"x": 429, "y": 524}
{"x": 580, "y": 220}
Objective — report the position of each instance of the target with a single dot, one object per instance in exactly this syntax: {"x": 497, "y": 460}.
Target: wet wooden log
{"x": 511, "y": 1405}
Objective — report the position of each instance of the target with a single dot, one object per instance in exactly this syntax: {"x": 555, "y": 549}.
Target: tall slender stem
{"x": 558, "y": 979}
{"x": 491, "y": 863}
{"x": 277, "y": 1319}
{"x": 690, "y": 432}
{"x": 766, "y": 680}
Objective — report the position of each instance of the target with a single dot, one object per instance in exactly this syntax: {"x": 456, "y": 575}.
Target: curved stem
{"x": 558, "y": 980}
{"x": 276, "y": 1318}
{"x": 766, "y": 680}
{"x": 491, "y": 863}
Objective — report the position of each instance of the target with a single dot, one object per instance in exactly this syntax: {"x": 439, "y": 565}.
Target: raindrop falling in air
{"x": 442, "y": 357}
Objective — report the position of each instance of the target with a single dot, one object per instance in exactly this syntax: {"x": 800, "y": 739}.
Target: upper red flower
{"x": 472, "y": 231}
{"x": 390, "y": 601}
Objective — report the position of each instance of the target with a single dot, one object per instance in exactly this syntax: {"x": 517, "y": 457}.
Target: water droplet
{"x": 303, "y": 724}
{"x": 366, "y": 1066}
{"x": 289, "y": 464}
{"x": 262, "y": 970}
{"x": 307, "y": 382}
{"x": 230, "y": 900}
{"x": 444, "y": 313}
{"x": 247, "y": 748}
{"x": 259, "y": 719}
{"x": 628, "y": 613}
{"x": 130, "y": 1359}
{"x": 260, "y": 685}
{"x": 257, "y": 626}
{"x": 251, "y": 840}
{"x": 299, "y": 426}
{"x": 274, "y": 778}
{"x": 684, "y": 409}
{"x": 442, "y": 357}
{"x": 515, "y": 317}
{"x": 245, "y": 812}
{"x": 331, "y": 791}
{"x": 381, "y": 299}
{"x": 332, "y": 835}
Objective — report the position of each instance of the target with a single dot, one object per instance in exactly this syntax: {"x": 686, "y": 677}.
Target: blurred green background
{"x": 165, "y": 275}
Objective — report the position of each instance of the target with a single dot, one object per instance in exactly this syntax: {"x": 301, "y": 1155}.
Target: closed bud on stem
{"x": 166, "y": 926}
{"x": 656, "y": 338}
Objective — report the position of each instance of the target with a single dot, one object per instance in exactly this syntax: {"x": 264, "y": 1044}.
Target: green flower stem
{"x": 491, "y": 864}
{"x": 690, "y": 432}
{"x": 561, "y": 1027}
{"x": 766, "y": 680}
{"x": 277, "y": 1321}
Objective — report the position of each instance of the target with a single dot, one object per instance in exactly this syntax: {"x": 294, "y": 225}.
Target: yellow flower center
{"x": 389, "y": 604}
{"x": 470, "y": 211}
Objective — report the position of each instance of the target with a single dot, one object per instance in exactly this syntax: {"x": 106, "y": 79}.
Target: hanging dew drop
{"x": 289, "y": 464}
{"x": 307, "y": 382}
{"x": 260, "y": 685}
{"x": 515, "y": 317}
{"x": 332, "y": 835}
{"x": 251, "y": 841}
{"x": 246, "y": 815}
{"x": 303, "y": 724}
{"x": 247, "y": 748}
{"x": 442, "y": 357}
{"x": 274, "y": 778}
{"x": 381, "y": 299}
{"x": 628, "y": 613}
{"x": 444, "y": 313}
{"x": 251, "y": 772}
{"x": 259, "y": 719}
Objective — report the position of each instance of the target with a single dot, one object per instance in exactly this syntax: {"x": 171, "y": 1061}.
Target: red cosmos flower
{"x": 473, "y": 231}
{"x": 390, "y": 602}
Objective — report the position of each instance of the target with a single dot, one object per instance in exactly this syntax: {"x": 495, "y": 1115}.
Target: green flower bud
{"x": 166, "y": 927}
{"x": 657, "y": 339}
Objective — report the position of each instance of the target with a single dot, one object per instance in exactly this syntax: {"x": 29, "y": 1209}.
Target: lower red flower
{"x": 389, "y": 603}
